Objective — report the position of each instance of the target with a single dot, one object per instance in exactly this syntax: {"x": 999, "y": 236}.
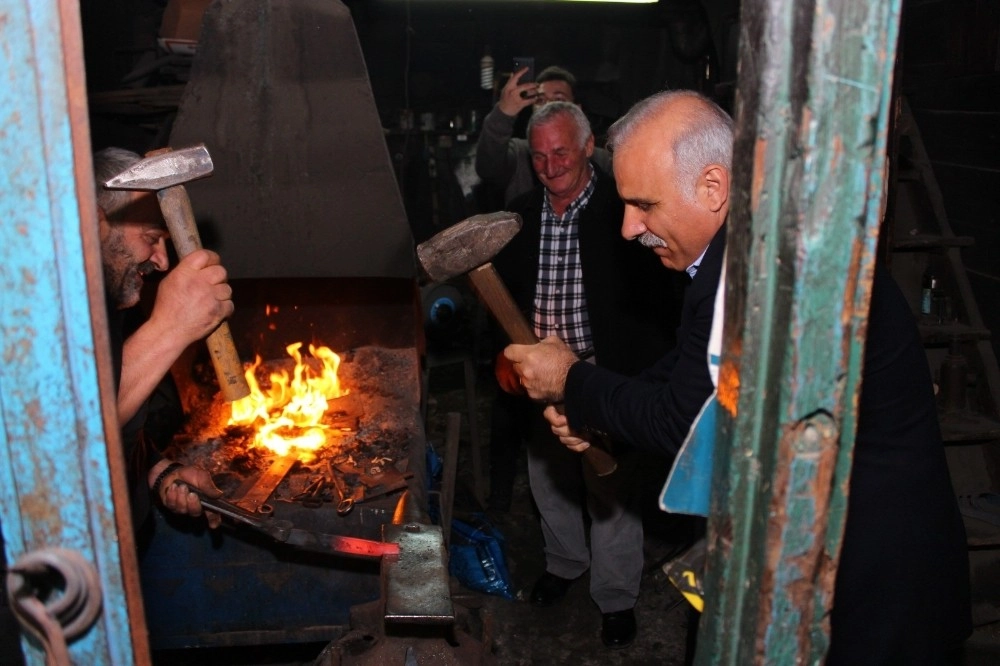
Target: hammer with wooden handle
{"x": 165, "y": 172}
{"x": 468, "y": 247}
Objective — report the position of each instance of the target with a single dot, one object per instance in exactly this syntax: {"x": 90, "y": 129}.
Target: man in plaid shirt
{"x": 575, "y": 277}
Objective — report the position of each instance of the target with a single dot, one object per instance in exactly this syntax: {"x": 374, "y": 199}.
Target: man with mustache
{"x": 191, "y": 301}
{"x": 575, "y": 277}
{"x": 901, "y": 594}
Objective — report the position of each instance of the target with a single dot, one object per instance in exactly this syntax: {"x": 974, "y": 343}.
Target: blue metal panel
{"x": 219, "y": 588}
{"x": 54, "y": 475}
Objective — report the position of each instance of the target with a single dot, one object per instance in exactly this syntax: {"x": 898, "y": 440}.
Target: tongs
{"x": 285, "y": 532}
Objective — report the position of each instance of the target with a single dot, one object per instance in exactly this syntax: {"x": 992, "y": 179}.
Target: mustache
{"x": 649, "y": 239}
{"x": 146, "y": 268}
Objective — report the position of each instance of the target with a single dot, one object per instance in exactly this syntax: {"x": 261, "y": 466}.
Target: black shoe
{"x": 549, "y": 588}
{"x": 618, "y": 629}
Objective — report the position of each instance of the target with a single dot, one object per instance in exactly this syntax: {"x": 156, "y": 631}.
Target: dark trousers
{"x": 509, "y": 422}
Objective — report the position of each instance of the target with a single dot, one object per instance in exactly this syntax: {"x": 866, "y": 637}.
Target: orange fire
{"x": 290, "y": 412}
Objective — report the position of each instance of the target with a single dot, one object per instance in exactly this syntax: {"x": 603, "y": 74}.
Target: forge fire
{"x": 353, "y": 416}
{"x": 288, "y": 412}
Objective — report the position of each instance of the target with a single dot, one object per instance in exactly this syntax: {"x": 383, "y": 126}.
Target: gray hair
{"x": 546, "y": 113}
{"x": 707, "y": 138}
{"x": 108, "y": 163}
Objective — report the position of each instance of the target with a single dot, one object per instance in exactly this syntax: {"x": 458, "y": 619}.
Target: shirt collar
{"x": 581, "y": 199}
{"x": 692, "y": 270}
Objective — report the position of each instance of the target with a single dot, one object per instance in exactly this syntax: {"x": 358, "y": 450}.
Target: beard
{"x": 122, "y": 273}
{"x": 651, "y": 240}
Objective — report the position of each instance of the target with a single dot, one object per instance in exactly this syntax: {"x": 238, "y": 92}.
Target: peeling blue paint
{"x": 815, "y": 86}
{"x": 54, "y": 478}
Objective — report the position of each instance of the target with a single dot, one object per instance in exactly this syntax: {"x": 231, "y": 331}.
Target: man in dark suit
{"x": 901, "y": 594}
{"x": 574, "y": 276}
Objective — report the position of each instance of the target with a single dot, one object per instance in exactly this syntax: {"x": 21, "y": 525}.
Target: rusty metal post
{"x": 812, "y": 113}
{"x": 61, "y": 475}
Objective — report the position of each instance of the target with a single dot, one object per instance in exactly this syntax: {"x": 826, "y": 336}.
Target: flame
{"x": 290, "y": 412}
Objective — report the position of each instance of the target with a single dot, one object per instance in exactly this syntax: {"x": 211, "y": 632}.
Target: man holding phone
{"x": 528, "y": 65}
{"x": 505, "y": 161}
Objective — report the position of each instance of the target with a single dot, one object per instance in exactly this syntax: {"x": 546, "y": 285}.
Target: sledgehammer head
{"x": 467, "y": 245}
{"x": 164, "y": 170}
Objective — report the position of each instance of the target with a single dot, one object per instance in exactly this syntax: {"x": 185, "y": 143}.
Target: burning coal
{"x": 289, "y": 412}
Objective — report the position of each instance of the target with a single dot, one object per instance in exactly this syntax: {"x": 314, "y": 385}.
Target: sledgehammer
{"x": 165, "y": 171}
{"x": 469, "y": 247}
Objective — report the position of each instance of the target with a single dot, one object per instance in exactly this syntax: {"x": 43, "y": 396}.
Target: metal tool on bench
{"x": 416, "y": 583}
{"x": 413, "y": 557}
{"x": 312, "y": 496}
{"x": 345, "y": 501}
{"x": 253, "y": 497}
{"x": 285, "y": 532}
{"x": 468, "y": 247}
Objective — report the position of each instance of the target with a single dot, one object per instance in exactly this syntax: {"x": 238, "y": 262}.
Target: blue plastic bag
{"x": 476, "y": 558}
{"x": 434, "y": 464}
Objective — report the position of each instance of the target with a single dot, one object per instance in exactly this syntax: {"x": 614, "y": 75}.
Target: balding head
{"x": 692, "y": 127}
{"x": 672, "y": 157}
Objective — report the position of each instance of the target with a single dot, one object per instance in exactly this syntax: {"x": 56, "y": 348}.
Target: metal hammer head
{"x": 163, "y": 170}
{"x": 467, "y": 245}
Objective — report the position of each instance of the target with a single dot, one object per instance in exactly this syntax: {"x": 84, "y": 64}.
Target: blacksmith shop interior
{"x": 337, "y": 143}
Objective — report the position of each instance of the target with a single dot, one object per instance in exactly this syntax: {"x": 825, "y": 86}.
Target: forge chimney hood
{"x": 303, "y": 185}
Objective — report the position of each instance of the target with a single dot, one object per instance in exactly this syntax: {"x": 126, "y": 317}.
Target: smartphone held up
{"x": 520, "y": 62}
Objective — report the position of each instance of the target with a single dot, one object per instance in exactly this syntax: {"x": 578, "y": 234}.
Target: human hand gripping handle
{"x": 171, "y": 483}
{"x": 193, "y": 298}
{"x": 176, "y": 208}
{"x": 495, "y": 295}
{"x": 468, "y": 247}
{"x": 507, "y": 376}
{"x": 561, "y": 429}
{"x": 543, "y": 368}
{"x": 165, "y": 171}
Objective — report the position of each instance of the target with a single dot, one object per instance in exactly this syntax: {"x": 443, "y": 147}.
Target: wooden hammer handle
{"x": 494, "y": 294}
{"x": 496, "y": 297}
{"x": 179, "y": 216}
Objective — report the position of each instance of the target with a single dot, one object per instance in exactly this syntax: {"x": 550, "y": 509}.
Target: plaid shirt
{"x": 560, "y": 306}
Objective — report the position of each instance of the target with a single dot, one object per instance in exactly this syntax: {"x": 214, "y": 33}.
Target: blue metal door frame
{"x": 813, "y": 112}
{"x": 59, "y": 445}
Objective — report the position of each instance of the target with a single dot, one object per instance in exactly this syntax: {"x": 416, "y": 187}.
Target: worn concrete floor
{"x": 569, "y": 632}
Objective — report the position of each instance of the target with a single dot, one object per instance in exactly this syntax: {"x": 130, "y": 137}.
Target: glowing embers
{"x": 289, "y": 412}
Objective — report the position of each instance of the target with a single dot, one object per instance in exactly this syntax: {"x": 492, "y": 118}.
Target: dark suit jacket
{"x": 652, "y": 412}
{"x": 632, "y": 301}
{"x": 902, "y": 588}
